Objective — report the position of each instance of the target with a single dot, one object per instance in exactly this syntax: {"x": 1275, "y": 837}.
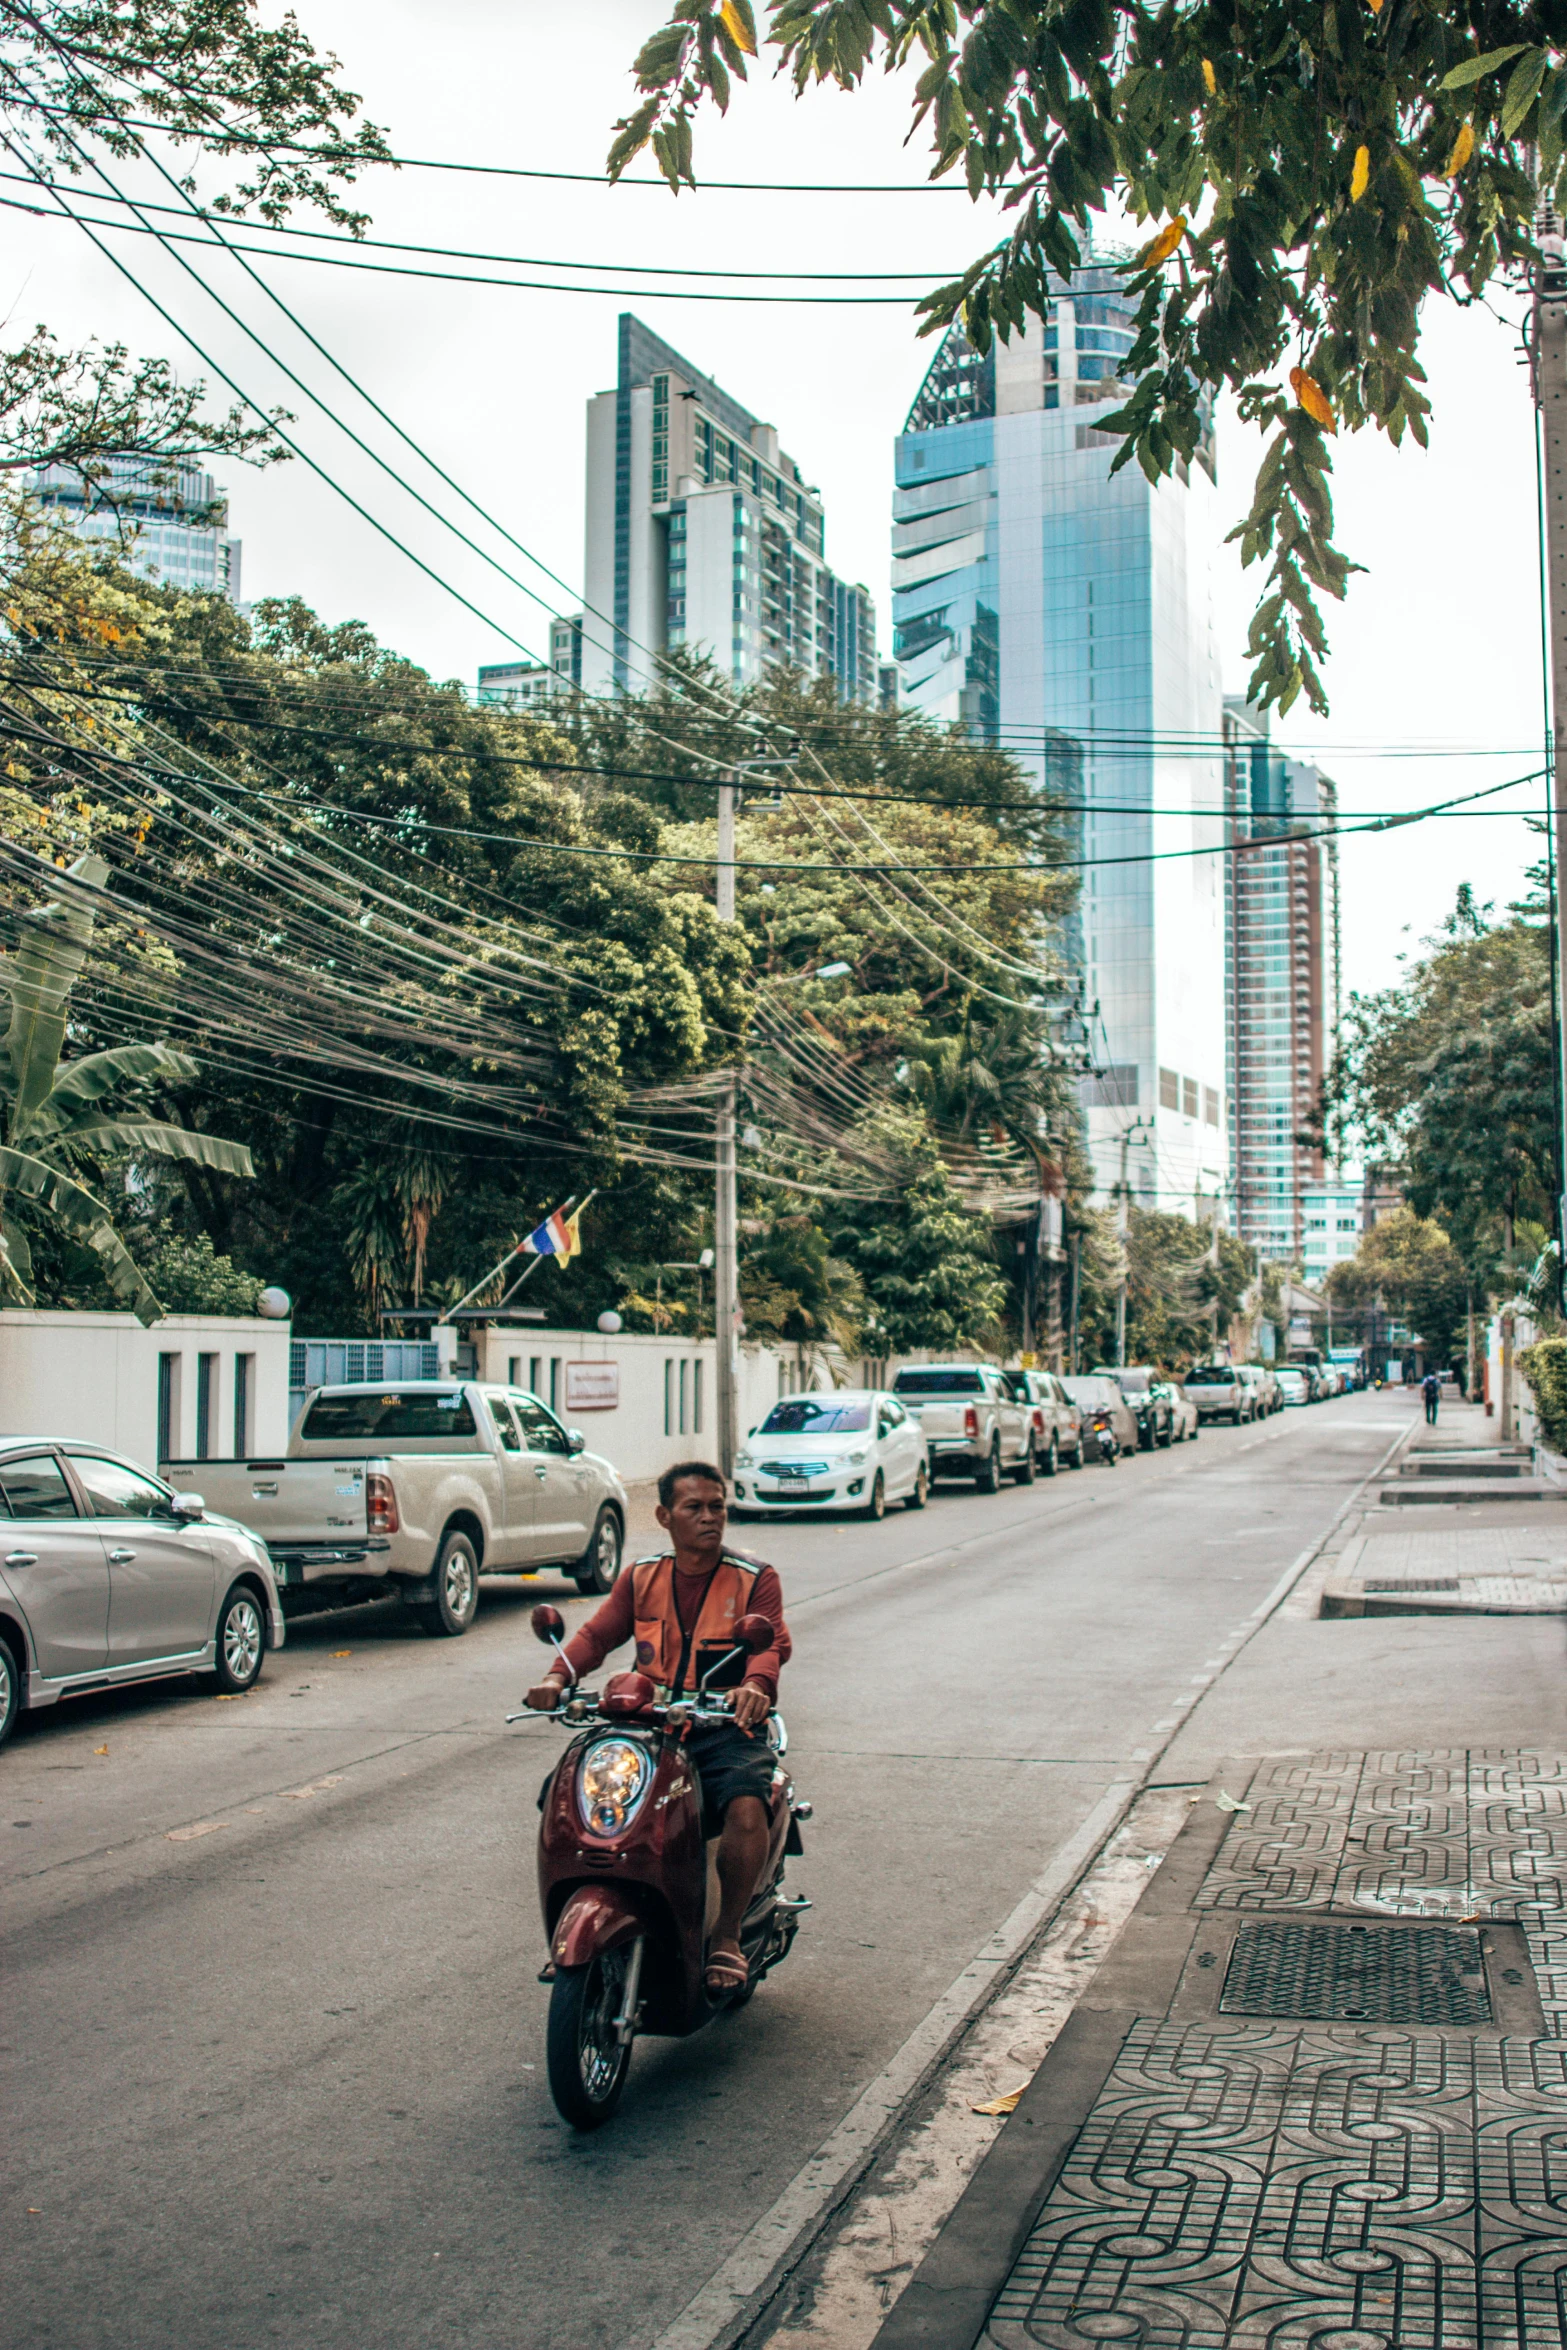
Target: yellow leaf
{"x": 1463, "y": 148}
{"x": 738, "y": 30}
{"x": 1360, "y": 177}
{"x": 1313, "y": 399}
{"x": 342, "y": 1652}
{"x": 1007, "y": 2104}
{"x": 100, "y": 1750}
{"x": 1210, "y": 78}
{"x": 1375, "y": 7}
{"x": 1163, "y": 245}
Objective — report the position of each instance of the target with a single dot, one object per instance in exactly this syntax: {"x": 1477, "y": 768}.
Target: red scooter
{"x": 628, "y": 1885}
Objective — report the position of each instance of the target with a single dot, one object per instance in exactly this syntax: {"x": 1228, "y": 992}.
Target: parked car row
{"x": 113, "y": 1575}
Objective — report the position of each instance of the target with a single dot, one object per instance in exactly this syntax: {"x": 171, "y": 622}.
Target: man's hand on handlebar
{"x": 751, "y": 1705}
{"x": 545, "y": 1696}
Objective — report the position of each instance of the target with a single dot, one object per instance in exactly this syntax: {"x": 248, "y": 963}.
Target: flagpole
{"x": 496, "y": 1270}
{"x": 534, "y": 1263}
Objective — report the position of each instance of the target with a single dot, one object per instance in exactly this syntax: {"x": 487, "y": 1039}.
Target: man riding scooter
{"x": 680, "y": 1605}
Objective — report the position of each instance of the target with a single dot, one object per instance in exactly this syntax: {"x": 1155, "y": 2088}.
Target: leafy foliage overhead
{"x": 214, "y": 73}
{"x": 1317, "y": 173}
{"x": 85, "y": 409}
{"x": 1448, "y": 1076}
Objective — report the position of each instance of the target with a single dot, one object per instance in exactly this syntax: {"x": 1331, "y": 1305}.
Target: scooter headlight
{"x": 612, "y": 1778}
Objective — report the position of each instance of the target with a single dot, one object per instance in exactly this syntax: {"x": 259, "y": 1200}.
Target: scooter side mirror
{"x": 754, "y": 1633}
{"x": 548, "y": 1624}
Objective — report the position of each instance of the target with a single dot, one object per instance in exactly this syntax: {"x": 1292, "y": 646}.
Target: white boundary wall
{"x": 95, "y": 1377}
{"x": 664, "y": 1389}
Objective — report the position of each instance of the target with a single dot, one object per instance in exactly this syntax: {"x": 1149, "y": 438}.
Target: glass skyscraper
{"x": 170, "y": 523}
{"x": 1066, "y": 615}
{"x": 702, "y": 532}
{"x": 1282, "y": 964}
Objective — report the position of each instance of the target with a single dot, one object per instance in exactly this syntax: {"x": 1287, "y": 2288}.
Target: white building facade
{"x": 700, "y": 531}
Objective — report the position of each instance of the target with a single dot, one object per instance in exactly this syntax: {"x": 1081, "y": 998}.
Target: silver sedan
{"x": 107, "y": 1576}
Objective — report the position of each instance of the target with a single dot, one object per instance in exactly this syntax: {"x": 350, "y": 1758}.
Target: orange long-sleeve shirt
{"x": 610, "y": 1626}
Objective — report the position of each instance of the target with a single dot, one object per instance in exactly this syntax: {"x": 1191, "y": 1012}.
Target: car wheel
{"x": 1168, "y": 1438}
{"x": 456, "y": 1581}
{"x": 1027, "y": 1467}
{"x": 876, "y": 1508}
{"x": 241, "y": 1640}
{"x": 600, "y": 1562}
{"x": 1052, "y": 1459}
{"x": 988, "y": 1479}
{"x": 1079, "y": 1456}
{"x": 10, "y": 1690}
{"x": 921, "y": 1493}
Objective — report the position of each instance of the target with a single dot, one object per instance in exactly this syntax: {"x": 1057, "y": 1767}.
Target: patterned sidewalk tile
{"x": 1258, "y": 2187}
{"x": 1448, "y": 1833}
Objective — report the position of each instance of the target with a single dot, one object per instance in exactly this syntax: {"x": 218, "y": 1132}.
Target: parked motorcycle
{"x": 1106, "y": 1439}
{"x": 629, "y": 1887}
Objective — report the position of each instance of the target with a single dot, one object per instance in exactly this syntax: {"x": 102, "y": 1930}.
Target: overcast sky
{"x": 1436, "y": 653}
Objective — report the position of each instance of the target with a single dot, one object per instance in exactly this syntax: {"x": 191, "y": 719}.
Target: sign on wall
{"x": 592, "y": 1387}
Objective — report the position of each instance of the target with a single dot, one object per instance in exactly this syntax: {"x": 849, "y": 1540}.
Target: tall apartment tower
{"x": 1066, "y": 615}
{"x": 171, "y": 523}
{"x": 1282, "y": 966}
{"x": 701, "y": 532}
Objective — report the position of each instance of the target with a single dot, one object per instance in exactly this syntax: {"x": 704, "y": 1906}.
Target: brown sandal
{"x": 726, "y": 1970}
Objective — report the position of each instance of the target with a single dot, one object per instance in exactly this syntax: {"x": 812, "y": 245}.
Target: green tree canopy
{"x": 1449, "y": 1077}
{"x": 1318, "y": 174}
{"x": 1407, "y": 1267}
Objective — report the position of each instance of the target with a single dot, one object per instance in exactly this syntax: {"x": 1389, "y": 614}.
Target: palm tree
{"x": 54, "y": 1114}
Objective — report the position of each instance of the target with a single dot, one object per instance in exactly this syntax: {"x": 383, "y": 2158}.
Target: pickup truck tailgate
{"x": 310, "y": 1513}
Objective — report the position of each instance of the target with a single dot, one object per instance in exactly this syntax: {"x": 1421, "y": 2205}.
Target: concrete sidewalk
{"x": 1315, "y": 2097}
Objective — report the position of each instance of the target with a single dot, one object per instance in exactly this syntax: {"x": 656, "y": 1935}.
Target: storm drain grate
{"x": 1410, "y": 1583}
{"x": 1327, "y": 1971}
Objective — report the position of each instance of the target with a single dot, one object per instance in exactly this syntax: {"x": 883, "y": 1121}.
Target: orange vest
{"x": 656, "y": 1626}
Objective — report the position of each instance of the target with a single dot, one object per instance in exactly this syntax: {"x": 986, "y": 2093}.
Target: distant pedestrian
{"x": 1431, "y": 1388}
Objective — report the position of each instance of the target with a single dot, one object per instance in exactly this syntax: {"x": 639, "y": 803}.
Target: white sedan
{"x": 854, "y": 1449}
{"x": 1294, "y": 1385}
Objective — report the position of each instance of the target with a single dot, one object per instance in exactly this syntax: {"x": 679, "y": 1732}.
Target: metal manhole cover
{"x": 1329, "y": 1971}
{"x": 1410, "y": 1583}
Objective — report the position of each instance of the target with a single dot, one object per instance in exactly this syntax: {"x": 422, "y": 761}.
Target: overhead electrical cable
{"x": 227, "y": 222}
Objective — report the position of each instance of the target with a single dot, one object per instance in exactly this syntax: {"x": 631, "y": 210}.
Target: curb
{"x": 739, "y": 2290}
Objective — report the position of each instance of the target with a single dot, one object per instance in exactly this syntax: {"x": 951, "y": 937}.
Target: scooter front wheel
{"x": 587, "y": 2061}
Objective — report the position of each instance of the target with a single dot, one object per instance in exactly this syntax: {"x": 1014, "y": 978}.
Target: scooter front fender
{"x": 595, "y": 1919}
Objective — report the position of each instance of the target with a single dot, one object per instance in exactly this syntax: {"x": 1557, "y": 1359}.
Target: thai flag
{"x": 557, "y": 1236}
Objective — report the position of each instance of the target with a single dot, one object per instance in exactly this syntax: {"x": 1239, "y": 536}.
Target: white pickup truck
{"x": 425, "y": 1485}
{"x": 974, "y": 1426}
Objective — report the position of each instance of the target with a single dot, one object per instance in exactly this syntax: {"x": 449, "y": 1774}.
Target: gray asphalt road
{"x": 272, "y": 2035}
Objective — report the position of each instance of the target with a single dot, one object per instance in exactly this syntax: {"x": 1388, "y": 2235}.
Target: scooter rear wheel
{"x": 587, "y": 2064}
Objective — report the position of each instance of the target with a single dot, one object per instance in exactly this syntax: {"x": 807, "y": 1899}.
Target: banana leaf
{"x": 80, "y": 1085}
{"x": 40, "y": 975}
{"x": 74, "y": 1206}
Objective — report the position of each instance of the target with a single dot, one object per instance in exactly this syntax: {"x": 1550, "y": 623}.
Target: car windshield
{"x": 1086, "y": 1390}
{"x": 816, "y": 1416}
{"x": 1134, "y": 1382}
{"x": 1211, "y": 1375}
{"x": 389, "y": 1413}
{"x": 938, "y": 1383}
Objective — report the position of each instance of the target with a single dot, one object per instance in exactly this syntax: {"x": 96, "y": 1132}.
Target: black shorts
{"x": 728, "y": 1763}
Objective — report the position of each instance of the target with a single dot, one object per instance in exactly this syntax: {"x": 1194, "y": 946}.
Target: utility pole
{"x": 1550, "y": 391}
{"x": 1124, "y": 1226}
{"x": 726, "y": 1290}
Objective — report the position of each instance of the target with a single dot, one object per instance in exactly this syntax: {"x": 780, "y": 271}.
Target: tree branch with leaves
{"x": 1318, "y": 173}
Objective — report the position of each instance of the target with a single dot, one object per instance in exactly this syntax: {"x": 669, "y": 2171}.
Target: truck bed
{"x": 312, "y": 1515}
